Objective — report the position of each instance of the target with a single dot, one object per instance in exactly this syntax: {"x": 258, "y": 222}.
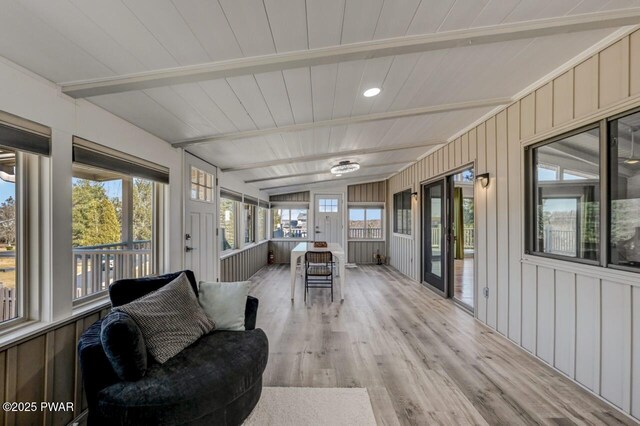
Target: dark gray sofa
{"x": 217, "y": 380}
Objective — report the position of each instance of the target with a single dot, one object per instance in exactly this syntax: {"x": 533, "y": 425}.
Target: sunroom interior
{"x": 419, "y": 212}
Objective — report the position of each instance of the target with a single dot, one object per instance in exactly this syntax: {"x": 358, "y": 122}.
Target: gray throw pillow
{"x": 170, "y": 318}
{"x": 225, "y": 303}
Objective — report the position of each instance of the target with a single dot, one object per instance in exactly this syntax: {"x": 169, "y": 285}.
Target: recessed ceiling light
{"x": 371, "y": 92}
{"x": 338, "y": 175}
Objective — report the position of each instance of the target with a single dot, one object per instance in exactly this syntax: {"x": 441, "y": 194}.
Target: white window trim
{"x": 393, "y": 214}
{"x": 31, "y": 251}
{"x": 288, "y": 207}
{"x": 383, "y": 218}
{"x": 225, "y": 253}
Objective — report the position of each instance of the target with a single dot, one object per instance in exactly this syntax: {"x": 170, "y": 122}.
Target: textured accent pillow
{"x": 225, "y": 303}
{"x": 170, "y": 318}
{"x": 124, "y": 346}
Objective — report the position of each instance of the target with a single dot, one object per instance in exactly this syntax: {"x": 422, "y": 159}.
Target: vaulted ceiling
{"x": 271, "y": 90}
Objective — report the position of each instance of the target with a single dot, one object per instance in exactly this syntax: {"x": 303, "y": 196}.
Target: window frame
{"x": 287, "y": 207}
{"x": 262, "y": 236}
{"x": 403, "y": 231}
{"x": 531, "y": 195}
{"x": 253, "y": 223}
{"x": 606, "y": 124}
{"x": 366, "y": 207}
{"x": 207, "y": 189}
{"x": 29, "y": 228}
{"x": 235, "y": 205}
{"x": 22, "y": 287}
{"x": 158, "y": 204}
{"x": 605, "y": 194}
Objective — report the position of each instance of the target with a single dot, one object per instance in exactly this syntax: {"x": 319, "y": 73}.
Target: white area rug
{"x": 313, "y": 406}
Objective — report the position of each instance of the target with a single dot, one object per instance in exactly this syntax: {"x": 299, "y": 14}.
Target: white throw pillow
{"x": 225, "y": 303}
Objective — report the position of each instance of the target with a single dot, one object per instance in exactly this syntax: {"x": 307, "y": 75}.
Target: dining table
{"x": 298, "y": 252}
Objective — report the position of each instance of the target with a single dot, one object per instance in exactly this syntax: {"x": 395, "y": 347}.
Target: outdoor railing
{"x": 96, "y": 267}
{"x": 560, "y": 242}
{"x": 365, "y": 233}
{"x": 467, "y": 237}
{"x": 8, "y": 303}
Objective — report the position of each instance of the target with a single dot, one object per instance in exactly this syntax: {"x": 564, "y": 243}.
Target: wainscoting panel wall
{"x": 582, "y": 320}
{"x": 294, "y": 196}
{"x": 242, "y": 265}
{"x": 364, "y": 194}
{"x": 45, "y": 367}
{"x": 282, "y": 249}
{"x": 367, "y": 192}
{"x": 362, "y": 251}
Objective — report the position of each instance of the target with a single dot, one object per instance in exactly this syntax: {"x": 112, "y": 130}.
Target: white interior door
{"x": 328, "y": 218}
{"x": 200, "y": 219}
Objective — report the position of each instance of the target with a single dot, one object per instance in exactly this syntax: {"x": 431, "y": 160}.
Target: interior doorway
{"x": 448, "y": 239}
{"x": 463, "y": 229}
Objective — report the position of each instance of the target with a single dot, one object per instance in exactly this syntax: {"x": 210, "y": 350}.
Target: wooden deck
{"x": 422, "y": 359}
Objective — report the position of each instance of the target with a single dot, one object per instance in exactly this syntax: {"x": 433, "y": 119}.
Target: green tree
{"x": 142, "y": 209}
{"x": 95, "y": 220}
{"x": 8, "y": 221}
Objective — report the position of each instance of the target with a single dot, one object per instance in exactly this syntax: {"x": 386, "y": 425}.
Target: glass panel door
{"x": 434, "y": 235}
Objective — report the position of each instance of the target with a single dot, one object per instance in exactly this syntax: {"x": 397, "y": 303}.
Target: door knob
{"x": 188, "y": 249}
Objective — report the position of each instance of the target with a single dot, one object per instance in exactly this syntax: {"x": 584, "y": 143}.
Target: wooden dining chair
{"x": 318, "y": 271}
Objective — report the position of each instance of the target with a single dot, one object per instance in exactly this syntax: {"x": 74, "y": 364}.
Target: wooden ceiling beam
{"x": 354, "y": 51}
{"x": 352, "y": 178}
{"x": 357, "y": 119}
{"x": 331, "y": 155}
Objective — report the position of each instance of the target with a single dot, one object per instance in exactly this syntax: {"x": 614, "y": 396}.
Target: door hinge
{"x": 216, "y": 232}
{"x": 216, "y": 181}
{"x": 485, "y": 292}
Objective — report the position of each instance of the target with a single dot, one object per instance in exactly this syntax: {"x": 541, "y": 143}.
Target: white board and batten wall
{"x": 582, "y": 320}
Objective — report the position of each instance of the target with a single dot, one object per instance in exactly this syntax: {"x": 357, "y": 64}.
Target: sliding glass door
{"x": 435, "y": 233}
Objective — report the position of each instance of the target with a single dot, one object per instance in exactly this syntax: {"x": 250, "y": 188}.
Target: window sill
{"x": 26, "y": 329}
{"x": 233, "y": 252}
{"x": 300, "y": 240}
{"x": 366, "y": 240}
{"x": 88, "y": 303}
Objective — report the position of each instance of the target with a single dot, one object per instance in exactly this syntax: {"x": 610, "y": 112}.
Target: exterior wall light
{"x": 483, "y": 179}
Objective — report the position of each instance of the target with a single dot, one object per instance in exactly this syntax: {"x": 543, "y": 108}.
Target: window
{"x": 201, "y": 185}
{"x": 290, "y": 223}
{"x": 228, "y": 209}
{"x": 402, "y": 212}
{"x": 249, "y": 223}
{"x": 624, "y": 197}
{"x": 8, "y": 236}
{"x": 262, "y": 224}
{"x": 24, "y": 147}
{"x": 365, "y": 223}
{"x": 113, "y": 218}
{"x": 328, "y": 205}
{"x": 565, "y": 190}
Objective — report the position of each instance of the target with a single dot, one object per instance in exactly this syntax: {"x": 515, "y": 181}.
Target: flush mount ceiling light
{"x": 345, "y": 167}
{"x": 374, "y": 91}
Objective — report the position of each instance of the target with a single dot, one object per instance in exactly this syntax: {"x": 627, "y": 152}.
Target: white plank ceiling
{"x": 71, "y": 40}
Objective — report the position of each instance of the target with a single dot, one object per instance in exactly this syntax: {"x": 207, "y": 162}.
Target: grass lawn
{"x": 8, "y": 279}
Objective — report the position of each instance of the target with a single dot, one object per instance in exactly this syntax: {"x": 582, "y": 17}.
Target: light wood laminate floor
{"x": 422, "y": 359}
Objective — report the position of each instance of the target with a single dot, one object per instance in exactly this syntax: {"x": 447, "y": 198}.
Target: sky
{"x": 113, "y": 188}
{"x": 358, "y": 214}
{"x": 7, "y": 189}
